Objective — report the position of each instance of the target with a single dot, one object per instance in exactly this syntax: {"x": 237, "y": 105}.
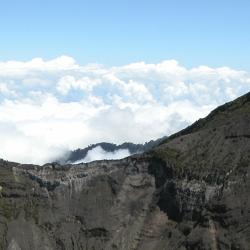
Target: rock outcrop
{"x": 191, "y": 192}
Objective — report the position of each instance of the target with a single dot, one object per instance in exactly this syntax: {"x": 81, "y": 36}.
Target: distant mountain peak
{"x": 80, "y": 154}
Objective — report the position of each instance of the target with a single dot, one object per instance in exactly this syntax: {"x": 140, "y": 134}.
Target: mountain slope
{"x": 191, "y": 192}
{"x": 211, "y": 169}
{"x": 225, "y": 113}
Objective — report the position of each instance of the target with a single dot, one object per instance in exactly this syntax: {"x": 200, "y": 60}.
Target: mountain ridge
{"x": 202, "y": 121}
{"x": 80, "y": 153}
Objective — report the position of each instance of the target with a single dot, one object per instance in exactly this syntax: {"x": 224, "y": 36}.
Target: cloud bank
{"x": 50, "y": 107}
{"x": 98, "y": 153}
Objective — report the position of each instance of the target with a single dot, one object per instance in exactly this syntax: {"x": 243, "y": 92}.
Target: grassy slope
{"x": 214, "y": 145}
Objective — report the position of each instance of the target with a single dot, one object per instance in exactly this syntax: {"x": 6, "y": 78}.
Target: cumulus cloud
{"x": 98, "y": 153}
{"x": 17, "y": 69}
{"x": 66, "y": 83}
{"x": 5, "y": 90}
{"x": 49, "y": 107}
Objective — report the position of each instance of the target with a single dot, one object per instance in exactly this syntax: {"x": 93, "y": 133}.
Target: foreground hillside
{"x": 191, "y": 192}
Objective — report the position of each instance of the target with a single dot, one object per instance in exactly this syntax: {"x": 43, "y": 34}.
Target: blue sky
{"x": 214, "y": 33}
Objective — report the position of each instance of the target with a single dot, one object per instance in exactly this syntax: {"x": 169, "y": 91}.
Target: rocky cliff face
{"x": 192, "y": 192}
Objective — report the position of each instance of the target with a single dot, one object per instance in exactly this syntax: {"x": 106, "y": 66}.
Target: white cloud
{"x": 5, "y": 90}
{"x": 67, "y": 83}
{"x": 15, "y": 69}
{"x": 98, "y": 153}
{"x": 49, "y": 107}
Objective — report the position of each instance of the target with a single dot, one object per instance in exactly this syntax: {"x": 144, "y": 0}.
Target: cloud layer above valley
{"x": 50, "y": 107}
{"x": 98, "y": 153}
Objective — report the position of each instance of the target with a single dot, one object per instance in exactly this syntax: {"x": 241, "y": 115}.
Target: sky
{"x": 112, "y": 33}
{"x": 74, "y": 73}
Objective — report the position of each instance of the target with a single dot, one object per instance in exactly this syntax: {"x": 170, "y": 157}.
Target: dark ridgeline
{"x": 189, "y": 193}
{"x": 79, "y": 154}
